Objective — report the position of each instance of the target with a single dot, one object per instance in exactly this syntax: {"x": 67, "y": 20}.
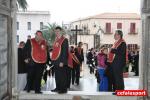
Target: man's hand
{"x": 26, "y": 61}
{"x": 61, "y": 64}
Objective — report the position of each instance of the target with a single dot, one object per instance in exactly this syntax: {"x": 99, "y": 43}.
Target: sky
{"x": 69, "y": 10}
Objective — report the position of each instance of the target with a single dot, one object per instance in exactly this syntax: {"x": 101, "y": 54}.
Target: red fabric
{"x": 57, "y": 48}
{"x": 57, "y": 51}
{"x": 70, "y": 61}
{"x": 39, "y": 51}
{"x": 79, "y": 50}
{"x": 75, "y": 58}
{"x": 115, "y": 46}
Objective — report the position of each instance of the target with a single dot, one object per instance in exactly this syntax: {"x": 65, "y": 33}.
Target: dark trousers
{"x": 110, "y": 79}
{"x": 46, "y": 73}
{"x": 137, "y": 69}
{"x": 61, "y": 78}
{"x": 68, "y": 77}
{"x": 118, "y": 78}
{"x": 73, "y": 75}
{"x": 34, "y": 76}
{"x": 77, "y": 73}
{"x": 91, "y": 68}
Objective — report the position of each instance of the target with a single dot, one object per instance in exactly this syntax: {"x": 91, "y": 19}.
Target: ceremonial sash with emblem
{"x": 39, "y": 51}
{"x": 111, "y": 55}
{"x": 57, "y": 48}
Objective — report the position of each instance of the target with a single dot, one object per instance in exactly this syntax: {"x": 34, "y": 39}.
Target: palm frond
{"x": 22, "y": 4}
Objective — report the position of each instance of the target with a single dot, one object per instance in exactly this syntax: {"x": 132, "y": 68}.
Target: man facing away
{"x": 80, "y": 56}
{"x": 117, "y": 60}
{"x": 35, "y": 57}
{"x": 60, "y": 60}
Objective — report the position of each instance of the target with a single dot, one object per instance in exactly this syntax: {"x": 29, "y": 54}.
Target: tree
{"x": 22, "y": 4}
{"x": 49, "y": 33}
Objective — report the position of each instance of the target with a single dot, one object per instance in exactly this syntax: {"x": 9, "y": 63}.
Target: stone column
{"x": 145, "y": 50}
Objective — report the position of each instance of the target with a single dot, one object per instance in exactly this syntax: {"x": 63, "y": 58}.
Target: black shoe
{"x": 77, "y": 83}
{"x": 114, "y": 93}
{"x": 62, "y": 91}
{"x": 38, "y": 92}
{"x": 55, "y": 90}
{"x": 28, "y": 91}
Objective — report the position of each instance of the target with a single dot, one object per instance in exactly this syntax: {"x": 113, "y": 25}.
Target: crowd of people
{"x": 36, "y": 60}
{"x": 109, "y": 64}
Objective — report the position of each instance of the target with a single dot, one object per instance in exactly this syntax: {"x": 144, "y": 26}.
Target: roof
{"x": 34, "y": 12}
{"x": 113, "y": 16}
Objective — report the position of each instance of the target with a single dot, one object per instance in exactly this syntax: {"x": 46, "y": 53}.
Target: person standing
{"x": 80, "y": 56}
{"x": 35, "y": 57}
{"x": 102, "y": 65}
{"x": 21, "y": 68}
{"x": 136, "y": 63}
{"x": 117, "y": 60}
{"x": 91, "y": 60}
{"x": 60, "y": 60}
{"x": 76, "y": 68}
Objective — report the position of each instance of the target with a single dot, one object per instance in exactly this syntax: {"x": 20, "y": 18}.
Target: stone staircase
{"x": 71, "y": 95}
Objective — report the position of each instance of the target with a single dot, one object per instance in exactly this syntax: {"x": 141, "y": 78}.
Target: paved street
{"x": 88, "y": 82}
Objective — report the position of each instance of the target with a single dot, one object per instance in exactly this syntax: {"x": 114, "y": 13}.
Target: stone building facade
{"x": 100, "y": 29}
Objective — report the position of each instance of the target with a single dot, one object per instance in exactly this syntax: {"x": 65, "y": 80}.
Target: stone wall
{"x": 7, "y": 12}
{"x": 145, "y": 51}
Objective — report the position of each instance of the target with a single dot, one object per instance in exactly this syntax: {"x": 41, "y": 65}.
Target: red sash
{"x": 111, "y": 56}
{"x": 79, "y": 50}
{"x": 75, "y": 58}
{"x": 39, "y": 51}
{"x": 70, "y": 61}
{"x": 57, "y": 48}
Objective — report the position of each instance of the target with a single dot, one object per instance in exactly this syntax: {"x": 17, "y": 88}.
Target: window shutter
{"x": 108, "y": 27}
{"x": 119, "y": 25}
{"x": 132, "y": 27}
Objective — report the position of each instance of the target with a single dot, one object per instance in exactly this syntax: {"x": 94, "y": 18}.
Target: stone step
{"x": 77, "y": 95}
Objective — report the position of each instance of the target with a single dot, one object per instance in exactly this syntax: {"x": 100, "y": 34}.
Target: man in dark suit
{"x": 60, "y": 60}
{"x": 80, "y": 56}
{"x": 117, "y": 60}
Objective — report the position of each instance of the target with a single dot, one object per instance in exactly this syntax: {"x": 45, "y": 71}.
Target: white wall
{"x": 88, "y": 39}
{"x": 35, "y": 20}
{"x": 109, "y": 38}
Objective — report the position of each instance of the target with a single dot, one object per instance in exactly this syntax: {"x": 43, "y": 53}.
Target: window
{"x": 132, "y": 47}
{"x": 108, "y": 27}
{"x": 17, "y": 25}
{"x": 41, "y": 25}
{"x": 17, "y": 38}
{"x": 29, "y": 25}
{"x": 132, "y": 27}
{"x": 119, "y": 25}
